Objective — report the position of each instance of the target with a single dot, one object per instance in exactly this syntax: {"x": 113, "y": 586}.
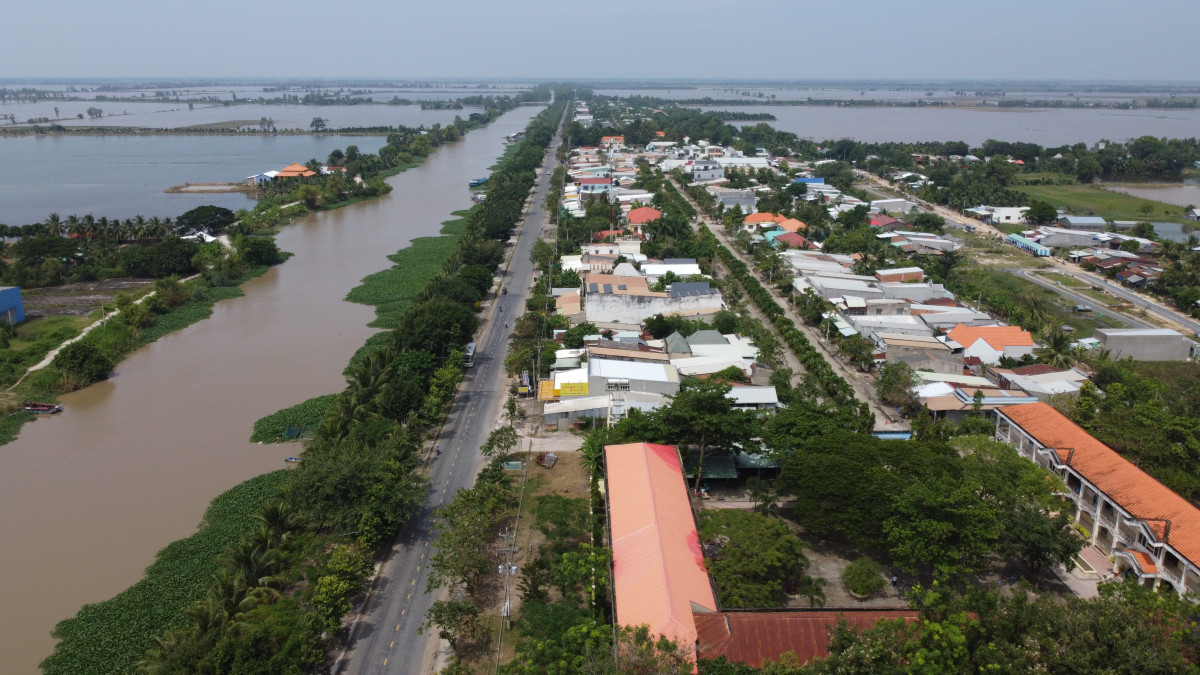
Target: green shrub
{"x": 82, "y": 363}
{"x": 863, "y": 578}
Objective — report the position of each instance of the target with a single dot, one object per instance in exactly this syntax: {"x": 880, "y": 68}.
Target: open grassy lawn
{"x": 1090, "y": 200}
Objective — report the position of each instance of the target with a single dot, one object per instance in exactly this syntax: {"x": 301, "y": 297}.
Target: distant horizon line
{"x": 265, "y": 79}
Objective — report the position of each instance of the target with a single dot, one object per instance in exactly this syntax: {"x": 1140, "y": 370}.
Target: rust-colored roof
{"x": 658, "y": 566}
{"x": 792, "y": 240}
{"x": 1036, "y": 369}
{"x": 1143, "y": 561}
{"x": 941, "y": 302}
{"x": 644, "y": 214}
{"x": 998, "y": 337}
{"x": 1130, "y": 487}
{"x": 293, "y": 170}
{"x": 764, "y": 218}
{"x": 594, "y": 181}
{"x": 754, "y": 637}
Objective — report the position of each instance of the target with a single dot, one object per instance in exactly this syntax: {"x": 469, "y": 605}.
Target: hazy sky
{"x": 758, "y": 39}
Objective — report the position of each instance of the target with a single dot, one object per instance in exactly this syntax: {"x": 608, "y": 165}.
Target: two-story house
{"x": 1152, "y": 533}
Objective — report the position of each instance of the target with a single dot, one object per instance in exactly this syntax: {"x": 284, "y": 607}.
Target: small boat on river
{"x": 41, "y": 408}
{"x": 293, "y": 460}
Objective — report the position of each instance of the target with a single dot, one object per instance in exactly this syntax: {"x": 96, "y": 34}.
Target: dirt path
{"x": 886, "y": 418}
{"x": 49, "y": 358}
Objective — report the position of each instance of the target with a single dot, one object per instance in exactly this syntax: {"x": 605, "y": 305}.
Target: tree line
{"x": 360, "y": 478}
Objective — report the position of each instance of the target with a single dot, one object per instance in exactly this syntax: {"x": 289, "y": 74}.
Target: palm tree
{"x": 157, "y": 228}
{"x": 53, "y": 225}
{"x": 452, "y": 262}
{"x": 157, "y": 659}
{"x": 1056, "y": 350}
{"x": 337, "y": 421}
{"x": 255, "y": 563}
{"x": 765, "y": 500}
{"x": 812, "y": 588}
{"x": 232, "y": 598}
{"x": 87, "y": 226}
{"x": 279, "y": 518}
{"x": 208, "y": 614}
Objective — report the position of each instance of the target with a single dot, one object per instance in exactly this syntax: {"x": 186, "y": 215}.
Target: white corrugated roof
{"x": 753, "y": 395}
{"x": 632, "y": 370}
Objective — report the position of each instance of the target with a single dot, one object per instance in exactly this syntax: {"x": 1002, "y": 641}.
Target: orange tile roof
{"x": 998, "y": 337}
{"x": 755, "y": 637}
{"x": 764, "y": 218}
{"x": 792, "y": 225}
{"x": 1143, "y": 561}
{"x": 293, "y": 170}
{"x": 658, "y": 566}
{"x": 1130, "y": 487}
{"x": 644, "y": 214}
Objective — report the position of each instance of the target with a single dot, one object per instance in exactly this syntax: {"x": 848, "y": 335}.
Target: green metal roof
{"x": 715, "y": 466}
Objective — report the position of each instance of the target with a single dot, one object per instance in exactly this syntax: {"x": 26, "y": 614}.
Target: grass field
{"x": 1086, "y": 200}
{"x": 1064, "y": 280}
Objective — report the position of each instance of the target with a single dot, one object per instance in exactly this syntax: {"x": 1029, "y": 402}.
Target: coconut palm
{"x": 53, "y": 225}
{"x": 1056, "y": 351}
{"x": 232, "y": 596}
{"x": 256, "y": 564}
{"x": 279, "y": 518}
{"x": 208, "y": 614}
{"x": 338, "y": 419}
{"x": 157, "y": 659}
{"x": 452, "y": 262}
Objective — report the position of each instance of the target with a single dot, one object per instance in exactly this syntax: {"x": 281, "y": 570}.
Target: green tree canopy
{"x": 209, "y": 218}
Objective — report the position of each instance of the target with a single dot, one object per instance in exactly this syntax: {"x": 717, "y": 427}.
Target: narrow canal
{"x": 88, "y": 497}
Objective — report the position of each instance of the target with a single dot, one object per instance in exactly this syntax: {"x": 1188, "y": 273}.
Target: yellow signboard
{"x": 574, "y": 389}
{"x": 546, "y": 390}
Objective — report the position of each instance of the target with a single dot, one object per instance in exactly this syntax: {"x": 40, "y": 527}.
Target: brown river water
{"x": 89, "y": 496}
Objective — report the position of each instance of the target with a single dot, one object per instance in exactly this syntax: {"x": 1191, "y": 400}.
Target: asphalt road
{"x": 1137, "y": 299}
{"x": 385, "y": 639}
{"x": 1079, "y": 298}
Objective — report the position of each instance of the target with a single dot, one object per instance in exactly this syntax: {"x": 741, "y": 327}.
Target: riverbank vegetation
{"x": 171, "y": 305}
{"x": 285, "y": 588}
{"x": 81, "y": 249}
{"x": 112, "y": 636}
